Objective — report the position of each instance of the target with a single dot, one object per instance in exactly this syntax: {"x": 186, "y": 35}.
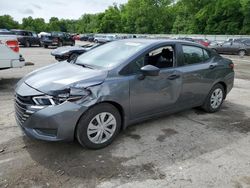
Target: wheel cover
{"x": 101, "y": 128}
{"x": 242, "y": 53}
{"x": 216, "y": 98}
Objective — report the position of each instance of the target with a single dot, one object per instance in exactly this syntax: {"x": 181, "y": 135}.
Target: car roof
{"x": 160, "y": 41}
{"x": 20, "y": 30}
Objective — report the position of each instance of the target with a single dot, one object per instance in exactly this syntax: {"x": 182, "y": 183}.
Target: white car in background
{"x": 9, "y": 52}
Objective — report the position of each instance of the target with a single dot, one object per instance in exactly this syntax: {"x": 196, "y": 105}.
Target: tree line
{"x": 151, "y": 17}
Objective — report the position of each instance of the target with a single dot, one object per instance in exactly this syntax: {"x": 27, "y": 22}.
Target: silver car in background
{"x": 119, "y": 84}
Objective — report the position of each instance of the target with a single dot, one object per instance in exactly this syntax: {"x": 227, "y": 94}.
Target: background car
{"x": 26, "y": 38}
{"x": 231, "y": 47}
{"x": 87, "y": 37}
{"x": 203, "y": 42}
{"x": 9, "y": 50}
{"x": 70, "y": 53}
{"x": 57, "y": 39}
{"x": 104, "y": 38}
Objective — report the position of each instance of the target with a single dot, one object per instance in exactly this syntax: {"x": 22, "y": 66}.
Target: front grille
{"x": 21, "y": 108}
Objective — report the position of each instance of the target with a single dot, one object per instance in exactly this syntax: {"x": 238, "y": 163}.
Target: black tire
{"x": 60, "y": 44}
{"x": 82, "y": 127}
{"x": 27, "y": 43}
{"x": 45, "y": 46}
{"x": 73, "y": 57}
{"x": 242, "y": 53}
{"x": 207, "y": 106}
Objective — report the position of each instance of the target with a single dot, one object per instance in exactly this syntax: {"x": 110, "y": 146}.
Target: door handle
{"x": 212, "y": 66}
{"x": 174, "y": 76}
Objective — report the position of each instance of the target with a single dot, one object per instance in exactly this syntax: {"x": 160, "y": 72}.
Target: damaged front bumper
{"x": 51, "y": 123}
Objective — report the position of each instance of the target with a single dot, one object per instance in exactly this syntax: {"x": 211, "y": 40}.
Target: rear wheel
{"x": 99, "y": 126}
{"x": 60, "y": 44}
{"x": 45, "y": 46}
{"x": 27, "y": 44}
{"x": 214, "y": 99}
{"x": 242, "y": 53}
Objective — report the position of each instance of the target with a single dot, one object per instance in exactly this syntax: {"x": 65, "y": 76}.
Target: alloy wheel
{"x": 216, "y": 98}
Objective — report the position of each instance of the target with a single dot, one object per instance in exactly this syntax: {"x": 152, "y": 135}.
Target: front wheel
{"x": 99, "y": 126}
{"x": 214, "y": 99}
{"x": 73, "y": 57}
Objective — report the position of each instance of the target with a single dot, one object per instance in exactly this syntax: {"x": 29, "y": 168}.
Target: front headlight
{"x": 72, "y": 95}
{"x": 44, "y": 100}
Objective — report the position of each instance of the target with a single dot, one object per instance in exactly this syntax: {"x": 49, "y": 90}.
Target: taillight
{"x": 13, "y": 44}
{"x": 231, "y": 65}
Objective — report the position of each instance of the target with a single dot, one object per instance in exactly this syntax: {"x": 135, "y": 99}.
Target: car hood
{"x": 66, "y": 49}
{"x": 64, "y": 75}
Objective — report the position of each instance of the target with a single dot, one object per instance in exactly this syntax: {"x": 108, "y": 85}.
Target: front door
{"x": 153, "y": 94}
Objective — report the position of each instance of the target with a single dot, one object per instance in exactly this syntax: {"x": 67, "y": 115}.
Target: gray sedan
{"x": 231, "y": 47}
{"x": 119, "y": 84}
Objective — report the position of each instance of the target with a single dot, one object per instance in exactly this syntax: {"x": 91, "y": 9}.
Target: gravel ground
{"x": 187, "y": 149}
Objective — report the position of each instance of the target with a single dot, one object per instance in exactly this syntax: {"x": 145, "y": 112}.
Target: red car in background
{"x": 76, "y": 37}
{"x": 202, "y": 42}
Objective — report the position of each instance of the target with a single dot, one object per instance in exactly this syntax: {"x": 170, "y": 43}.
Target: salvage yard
{"x": 187, "y": 149}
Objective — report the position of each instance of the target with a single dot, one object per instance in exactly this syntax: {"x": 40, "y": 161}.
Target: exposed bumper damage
{"x": 51, "y": 123}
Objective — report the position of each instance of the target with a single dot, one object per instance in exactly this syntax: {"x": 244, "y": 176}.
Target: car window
{"x": 206, "y": 55}
{"x": 227, "y": 44}
{"x": 34, "y": 35}
{"x": 194, "y": 55}
{"x": 133, "y": 67}
{"x": 162, "y": 57}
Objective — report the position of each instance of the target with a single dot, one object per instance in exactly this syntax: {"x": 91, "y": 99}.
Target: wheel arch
{"x": 113, "y": 103}
{"x": 224, "y": 86}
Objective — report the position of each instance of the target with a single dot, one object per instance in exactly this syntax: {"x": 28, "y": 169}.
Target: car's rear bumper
{"x": 18, "y": 63}
{"x": 229, "y": 80}
{"x": 49, "y": 43}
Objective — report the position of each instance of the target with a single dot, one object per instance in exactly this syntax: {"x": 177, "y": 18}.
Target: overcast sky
{"x": 71, "y": 9}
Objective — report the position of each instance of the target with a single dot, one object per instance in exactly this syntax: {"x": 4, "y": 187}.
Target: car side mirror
{"x": 150, "y": 70}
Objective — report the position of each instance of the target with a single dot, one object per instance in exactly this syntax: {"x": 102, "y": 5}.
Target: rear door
{"x": 196, "y": 67}
{"x": 35, "y": 38}
{"x": 227, "y": 48}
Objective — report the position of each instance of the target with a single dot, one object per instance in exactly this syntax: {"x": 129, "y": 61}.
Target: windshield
{"x": 111, "y": 54}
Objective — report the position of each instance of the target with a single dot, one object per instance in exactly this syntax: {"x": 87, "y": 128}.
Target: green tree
{"x": 54, "y": 24}
{"x": 111, "y": 20}
{"x": 7, "y": 22}
{"x": 37, "y": 24}
{"x": 246, "y": 12}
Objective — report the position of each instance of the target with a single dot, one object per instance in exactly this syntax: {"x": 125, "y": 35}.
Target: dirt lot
{"x": 187, "y": 149}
